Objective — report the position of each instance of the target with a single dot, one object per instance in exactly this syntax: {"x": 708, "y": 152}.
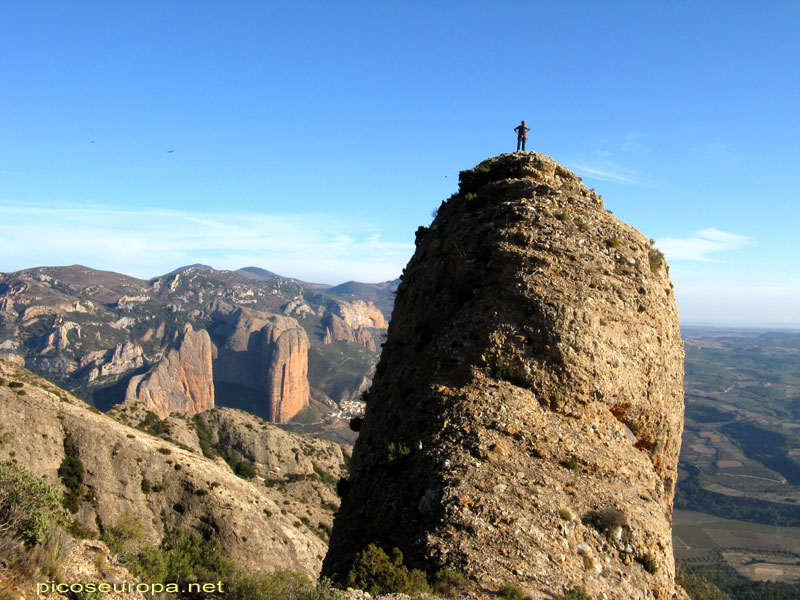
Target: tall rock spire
{"x": 525, "y": 417}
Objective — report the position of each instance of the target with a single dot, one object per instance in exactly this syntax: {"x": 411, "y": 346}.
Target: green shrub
{"x": 376, "y": 573}
{"x": 656, "y": 258}
{"x": 204, "y": 438}
{"x": 570, "y": 463}
{"x": 418, "y": 582}
{"x": 153, "y": 425}
{"x": 5, "y": 437}
{"x": 80, "y": 531}
{"x": 324, "y": 476}
{"x": 126, "y": 529}
{"x": 182, "y": 556}
{"x": 29, "y": 507}
{"x": 396, "y": 450}
{"x": 512, "y": 591}
{"x": 613, "y": 242}
{"x": 471, "y": 180}
{"x": 244, "y": 469}
{"x": 565, "y": 514}
{"x": 573, "y": 594}
{"x": 279, "y": 585}
{"x": 42, "y": 559}
{"x": 32, "y": 544}
{"x": 472, "y": 200}
{"x": 649, "y": 563}
{"x": 562, "y": 216}
{"x": 71, "y": 473}
{"x": 447, "y": 582}
{"x": 581, "y": 225}
{"x": 86, "y": 594}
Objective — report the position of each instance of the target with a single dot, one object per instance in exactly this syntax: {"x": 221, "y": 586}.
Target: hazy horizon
{"x": 749, "y": 325}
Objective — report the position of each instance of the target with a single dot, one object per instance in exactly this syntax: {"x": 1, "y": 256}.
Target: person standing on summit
{"x": 522, "y": 135}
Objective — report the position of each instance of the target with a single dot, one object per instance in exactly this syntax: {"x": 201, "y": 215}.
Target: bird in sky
{"x": 170, "y": 151}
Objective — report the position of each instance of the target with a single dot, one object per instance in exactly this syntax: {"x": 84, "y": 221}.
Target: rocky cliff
{"x": 181, "y": 382}
{"x": 361, "y": 314}
{"x": 180, "y": 475}
{"x": 92, "y": 331}
{"x": 267, "y": 354}
{"x": 525, "y": 417}
{"x": 337, "y": 329}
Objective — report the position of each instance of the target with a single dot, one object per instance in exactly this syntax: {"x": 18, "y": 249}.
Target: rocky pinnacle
{"x": 525, "y": 417}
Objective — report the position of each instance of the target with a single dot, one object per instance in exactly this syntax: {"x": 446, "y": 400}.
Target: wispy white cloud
{"x": 702, "y": 244}
{"x": 606, "y": 163}
{"x": 145, "y": 242}
{"x": 606, "y": 171}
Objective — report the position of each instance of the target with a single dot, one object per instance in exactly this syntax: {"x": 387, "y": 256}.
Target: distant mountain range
{"x": 250, "y": 338}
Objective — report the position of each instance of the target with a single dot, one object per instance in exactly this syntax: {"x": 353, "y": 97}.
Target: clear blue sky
{"x": 312, "y": 139}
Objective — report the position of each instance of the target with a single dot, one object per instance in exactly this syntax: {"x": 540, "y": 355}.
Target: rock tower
{"x": 525, "y": 417}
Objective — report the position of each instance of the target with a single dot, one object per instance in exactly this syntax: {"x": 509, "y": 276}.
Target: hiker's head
{"x": 523, "y": 122}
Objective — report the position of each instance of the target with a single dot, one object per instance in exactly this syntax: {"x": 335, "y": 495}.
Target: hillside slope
{"x": 276, "y": 518}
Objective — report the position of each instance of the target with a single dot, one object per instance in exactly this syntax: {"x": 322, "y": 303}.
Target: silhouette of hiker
{"x": 522, "y": 135}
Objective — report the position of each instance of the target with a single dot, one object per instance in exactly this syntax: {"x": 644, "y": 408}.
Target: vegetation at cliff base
{"x": 189, "y": 557}
{"x": 448, "y": 582}
{"x": 31, "y": 515}
{"x": 28, "y": 505}
{"x": 375, "y": 572}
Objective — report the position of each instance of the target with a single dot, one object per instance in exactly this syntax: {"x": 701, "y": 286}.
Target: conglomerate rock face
{"x": 264, "y": 352}
{"x": 525, "y": 418}
{"x": 181, "y": 382}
